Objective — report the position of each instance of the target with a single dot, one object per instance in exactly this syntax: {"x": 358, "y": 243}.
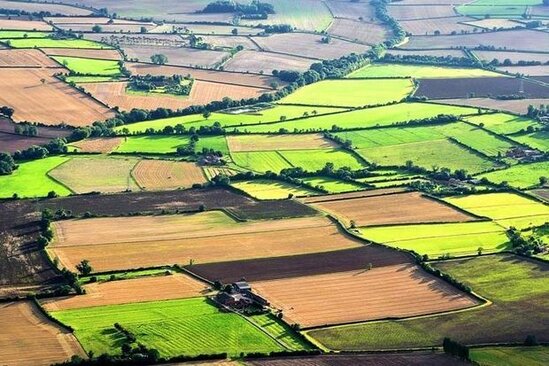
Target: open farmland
{"x": 511, "y": 356}
{"x": 333, "y": 185}
{"x": 24, "y": 24}
{"x": 26, "y": 58}
{"x": 260, "y": 161}
{"x": 519, "y": 106}
{"x": 439, "y": 239}
{"x": 206, "y": 237}
{"x": 390, "y": 291}
{"x": 154, "y": 288}
{"x": 359, "y": 31}
{"x": 28, "y": 337}
{"x": 398, "y": 208}
{"x": 238, "y": 143}
{"x": 479, "y": 87}
{"x": 177, "y": 56}
{"x": 536, "y": 140}
{"x": 511, "y": 283}
{"x": 38, "y": 7}
{"x": 168, "y": 144}
{"x": 351, "y": 93}
{"x": 89, "y": 66}
{"x": 55, "y": 43}
{"x": 426, "y": 52}
{"x": 37, "y": 101}
{"x": 268, "y": 190}
{"x": 520, "y": 176}
{"x": 11, "y": 142}
{"x": 83, "y": 175}
{"x": 318, "y": 159}
{"x": 503, "y": 123}
{"x": 421, "y": 11}
{"x": 514, "y": 57}
{"x": 539, "y": 71}
{"x": 417, "y": 71}
{"x": 164, "y": 174}
{"x": 195, "y": 325}
{"x": 84, "y": 53}
{"x": 96, "y": 145}
{"x": 449, "y": 25}
{"x": 507, "y": 209}
{"x": 266, "y": 62}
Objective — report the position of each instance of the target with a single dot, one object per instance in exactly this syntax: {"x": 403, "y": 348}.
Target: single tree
{"x": 84, "y": 267}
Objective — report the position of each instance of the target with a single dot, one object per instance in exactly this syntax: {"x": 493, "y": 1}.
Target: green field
{"x": 273, "y": 114}
{"x": 280, "y": 331}
{"x": 260, "y": 161}
{"x": 176, "y": 327}
{"x": 88, "y": 66}
{"x": 351, "y": 93}
{"x": 264, "y": 189}
{"x": 537, "y": 140}
{"x": 511, "y": 356}
{"x": 503, "y": 123}
{"x": 497, "y": 9}
{"x": 520, "y": 176}
{"x": 417, "y": 71}
{"x": 511, "y": 283}
{"x": 31, "y": 179}
{"x": 427, "y": 154}
{"x": 438, "y": 239}
{"x": 15, "y": 34}
{"x": 168, "y": 144}
{"x": 313, "y": 160}
{"x": 124, "y": 275}
{"x": 56, "y": 43}
{"x": 333, "y": 185}
{"x": 365, "y": 118}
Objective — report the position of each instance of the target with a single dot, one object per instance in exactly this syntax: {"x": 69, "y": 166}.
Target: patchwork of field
{"x": 511, "y": 283}
{"x": 201, "y": 238}
{"x": 29, "y": 338}
{"x": 266, "y": 62}
{"x": 34, "y": 95}
{"x": 417, "y": 71}
{"x": 195, "y": 325}
{"x": 164, "y": 174}
{"x": 401, "y": 208}
{"x": 359, "y": 31}
{"x": 264, "y": 189}
{"x": 12, "y": 142}
{"x": 507, "y": 209}
{"x": 238, "y": 143}
{"x": 154, "y": 288}
{"x": 440, "y": 239}
{"x": 520, "y": 176}
{"x": 351, "y": 93}
{"x": 390, "y": 291}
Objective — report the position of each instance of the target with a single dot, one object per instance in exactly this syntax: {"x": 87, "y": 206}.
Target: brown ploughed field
{"x": 98, "y": 145}
{"x": 518, "y": 106}
{"x": 344, "y": 297}
{"x": 156, "y": 288}
{"x": 28, "y": 338}
{"x": 358, "y": 194}
{"x": 148, "y": 241}
{"x": 164, "y": 174}
{"x": 400, "y": 208}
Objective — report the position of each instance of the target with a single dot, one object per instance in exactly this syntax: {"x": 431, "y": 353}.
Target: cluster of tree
{"x": 445, "y": 276}
{"x": 170, "y": 84}
{"x": 159, "y": 59}
{"x": 139, "y": 357}
{"x": 198, "y": 42}
{"x": 507, "y": 62}
{"x": 454, "y": 348}
{"x": 38, "y": 14}
{"x": 25, "y": 129}
{"x": 526, "y": 246}
{"x": 64, "y": 34}
{"x": 430, "y": 60}
{"x": 55, "y": 146}
{"x": 398, "y": 33}
{"x": 509, "y": 97}
{"x": 537, "y": 112}
{"x": 278, "y": 28}
{"x": 6, "y": 111}
{"x": 7, "y": 164}
{"x": 255, "y": 8}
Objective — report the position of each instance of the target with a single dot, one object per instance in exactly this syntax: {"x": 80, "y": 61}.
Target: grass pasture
{"x": 260, "y": 161}
{"x": 520, "y": 176}
{"x": 333, "y": 185}
{"x": 55, "y": 43}
{"x": 280, "y": 331}
{"x": 240, "y": 143}
{"x": 22, "y": 34}
{"x": 417, "y": 71}
{"x": 31, "y": 179}
{"x": 439, "y": 239}
{"x": 167, "y": 174}
{"x": 511, "y": 283}
{"x": 537, "y": 140}
{"x": 192, "y": 326}
{"x": 263, "y": 189}
{"x": 511, "y": 356}
{"x": 88, "y": 66}
{"x": 313, "y": 160}
{"x": 351, "y": 93}
{"x": 503, "y": 123}
{"x": 168, "y": 144}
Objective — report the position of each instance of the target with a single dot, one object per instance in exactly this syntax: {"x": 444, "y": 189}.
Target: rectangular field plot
{"x": 313, "y": 160}
{"x": 90, "y": 66}
{"x": 401, "y": 208}
{"x": 56, "y": 43}
{"x": 520, "y": 176}
{"x": 511, "y": 356}
{"x": 193, "y": 326}
{"x": 26, "y": 58}
{"x": 255, "y": 61}
{"x": 96, "y": 145}
{"x": 239, "y": 143}
{"x": 28, "y": 338}
{"x": 264, "y": 189}
{"x": 351, "y": 93}
{"x": 503, "y": 123}
{"x": 345, "y": 297}
{"x": 507, "y": 209}
{"x": 417, "y": 71}
{"x": 439, "y": 239}
{"x": 203, "y": 238}
{"x": 333, "y": 185}
{"x": 153, "y": 144}
{"x": 537, "y": 140}
{"x": 155, "y": 288}
{"x": 261, "y": 161}
{"x": 83, "y": 175}
{"x": 511, "y": 283}
{"x": 164, "y": 174}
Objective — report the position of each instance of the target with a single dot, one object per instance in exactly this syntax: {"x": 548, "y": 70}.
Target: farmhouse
{"x": 239, "y": 295}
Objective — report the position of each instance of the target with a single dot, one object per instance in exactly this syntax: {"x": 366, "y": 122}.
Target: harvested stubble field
{"x": 24, "y": 24}
{"x": 178, "y": 56}
{"x": 266, "y": 62}
{"x": 272, "y": 190}
{"x": 350, "y": 195}
{"x": 28, "y": 338}
{"x": 203, "y": 92}
{"x": 84, "y": 53}
{"x": 351, "y": 10}
{"x": 258, "y": 81}
{"x": 266, "y": 269}
{"x": 401, "y": 12}
{"x": 35, "y": 101}
{"x": 391, "y": 291}
{"x": 238, "y": 143}
{"x": 206, "y": 237}
{"x": 518, "y": 106}
{"x": 479, "y": 87}
{"x": 518, "y": 40}
{"x": 84, "y": 175}
{"x": 308, "y": 45}
{"x": 164, "y": 174}
{"x": 512, "y": 283}
{"x": 230, "y": 42}
{"x": 97, "y": 145}
{"x": 26, "y": 58}
{"x": 401, "y": 208}
{"x": 155, "y": 288}
{"x": 423, "y": 27}
{"x": 495, "y": 23}
{"x": 359, "y": 31}
{"x": 41, "y": 7}
{"x": 436, "y": 53}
